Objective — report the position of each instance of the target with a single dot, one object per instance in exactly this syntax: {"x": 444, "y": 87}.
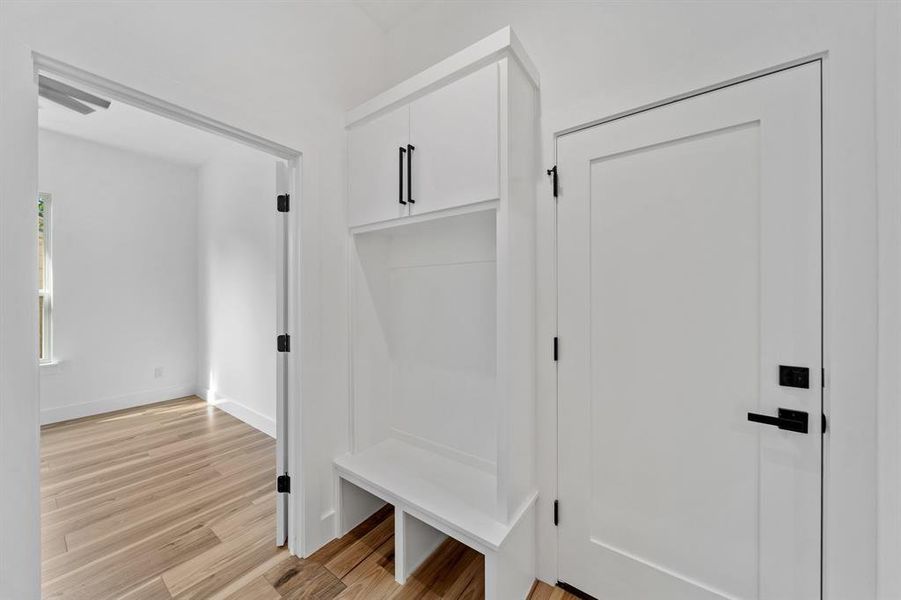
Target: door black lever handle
{"x": 400, "y": 174}
{"x": 410, "y": 149}
{"x": 789, "y": 420}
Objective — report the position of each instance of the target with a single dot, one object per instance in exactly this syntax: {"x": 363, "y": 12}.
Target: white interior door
{"x": 689, "y": 264}
{"x": 284, "y": 186}
{"x": 377, "y": 163}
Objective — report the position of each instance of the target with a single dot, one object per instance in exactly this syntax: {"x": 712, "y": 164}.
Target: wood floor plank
{"x": 360, "y": 547}
{"x": 475, "y": 590}
{"x": 134, "y": 567}
{"x": 53, "y": 546}
{"x": 295, "y": 578}
{"x": 74, "y": 493}
{"x": 436, "y": 575}
{"x": 109, "y": 551}
{"x": 173, "y": 507}
{"x": 257, "y": 589}
{"x": 212, "y": 570}
{"x": 374, "y": 577}
{"x": 175, "y": 501}
{"x": 255, "y": 516}
{"x": 256, "y": 573}
{"x": 153, "y": 589}
{"x": 335, "y": 547}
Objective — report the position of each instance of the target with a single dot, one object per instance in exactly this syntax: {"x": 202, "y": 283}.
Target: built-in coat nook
{"x": 442, "y": 172}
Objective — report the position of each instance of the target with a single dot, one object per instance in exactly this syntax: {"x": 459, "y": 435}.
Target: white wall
{"x": 285, "y": 71}
{"x": 237, "y": 285}
{"x": 888, "y": 101}
{"x": 123, "y": 233}
{"x": 282, "y": 70}
{"x": 19, "y": 401}
{"x": 600, "y": 58}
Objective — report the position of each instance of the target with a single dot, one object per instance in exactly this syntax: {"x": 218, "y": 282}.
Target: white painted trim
{"x": 157, "y": 106}
{"x": 296, "y": 329}
{"x": 888, "y": 190}
{"x": 99, "y": 407}
{"x": 490, "y": 49}
{"x": 253, "y": 418}
{"x": 585, "y": 121}
{"x": 454, "y": 211}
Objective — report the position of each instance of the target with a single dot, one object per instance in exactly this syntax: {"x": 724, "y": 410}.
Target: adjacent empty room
{"x": 158, "y": 254}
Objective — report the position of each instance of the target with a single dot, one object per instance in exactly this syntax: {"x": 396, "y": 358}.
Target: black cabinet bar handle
{"x": 400, "y": 174}
{"x": 410, "y": 149}
{"x": 789, "y": 420}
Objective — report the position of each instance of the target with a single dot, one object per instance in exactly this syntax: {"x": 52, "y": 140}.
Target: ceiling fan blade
{"x": 64, "y": 100}
{"x": 65, "y": 89}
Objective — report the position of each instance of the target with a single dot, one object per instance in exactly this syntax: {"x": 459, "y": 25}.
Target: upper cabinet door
{"x": 377, "y": 168}
{"x": 454, "y": 134}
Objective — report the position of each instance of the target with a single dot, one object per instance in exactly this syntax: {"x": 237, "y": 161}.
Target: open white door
{"x": 285, "y": 191}
{"x": 689, "y": 265}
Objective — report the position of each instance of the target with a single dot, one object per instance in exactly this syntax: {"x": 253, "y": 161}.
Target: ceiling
{"x": 388, "y": 13}
{"x": 129, "y": 128}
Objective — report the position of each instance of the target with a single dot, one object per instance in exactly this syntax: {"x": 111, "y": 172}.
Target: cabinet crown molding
{"x": 500, "y": 44}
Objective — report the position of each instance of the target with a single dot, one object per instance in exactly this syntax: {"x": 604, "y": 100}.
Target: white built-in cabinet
{"x": 442, "y": 171}
{"x": 436, "y": 152}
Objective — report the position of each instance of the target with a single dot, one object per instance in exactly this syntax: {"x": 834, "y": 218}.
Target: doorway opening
{"x": 167, "y": 246}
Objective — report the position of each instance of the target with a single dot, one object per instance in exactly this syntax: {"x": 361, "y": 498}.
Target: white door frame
{"x": 50, "y": 66}
{"x": 842, "y": 502}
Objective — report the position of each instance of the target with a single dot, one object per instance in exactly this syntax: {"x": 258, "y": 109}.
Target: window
{"x": 44, "y": 279}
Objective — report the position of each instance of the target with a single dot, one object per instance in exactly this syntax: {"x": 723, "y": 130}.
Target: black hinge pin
{"x": 552, "y": 173}
{"x": 556, "y": 350}
{"x": 823, "y": 422}
{"x": 283, "y": 203}
{"x": 283, "y": 484}
{"x": 283, "y": 343}
{"x": 556, "y": 512}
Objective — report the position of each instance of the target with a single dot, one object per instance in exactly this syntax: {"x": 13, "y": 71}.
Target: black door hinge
{"x": 283, "y": 202}
{"x": 823, "y": 422}
{"x": 284, "y": 343}
{"x": 556, "y": 352}
{"x": 283, "y": 484}
{"x": 552, "y": 173}
{"x": 556, "y": 512}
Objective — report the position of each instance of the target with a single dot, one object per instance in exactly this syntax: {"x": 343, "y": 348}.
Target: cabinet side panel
{"x": 517, "y": 396}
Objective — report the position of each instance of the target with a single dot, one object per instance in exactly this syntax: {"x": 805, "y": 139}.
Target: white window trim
{"x": 47, "y": 292}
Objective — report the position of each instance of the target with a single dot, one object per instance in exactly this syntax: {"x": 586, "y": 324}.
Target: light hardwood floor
{"x": 176, "y": 500}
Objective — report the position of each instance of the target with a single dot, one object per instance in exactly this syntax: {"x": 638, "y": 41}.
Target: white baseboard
{"x": 239, "y": 411}
{"x": 98, "y": 407}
